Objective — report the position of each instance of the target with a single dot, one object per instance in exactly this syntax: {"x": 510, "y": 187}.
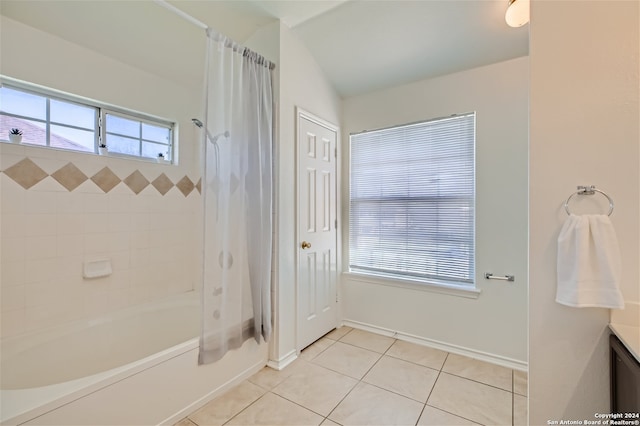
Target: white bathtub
{"x": 89, "y": 372}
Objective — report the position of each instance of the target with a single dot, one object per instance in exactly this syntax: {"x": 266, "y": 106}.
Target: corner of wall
{"x": 584, "y": 125}
{"x": 301, "y": 83}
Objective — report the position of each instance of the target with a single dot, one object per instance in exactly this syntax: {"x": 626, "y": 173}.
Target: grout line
{"x": 319, "y": 353}
{"x": 513, "y": 408}
{"x": 513, "y": 399}
{"x": 367, "y": 349}
{"x": 360, "y": 347}
{"x": 411, "y": 362}
{"x": 309, "y": 409}
{"x": 454, "y": 414}
{"x": 477, "y": 381}
{"x": 339, "y": 372}
{"x": 340, "y": 402}
{"x": 421, "y": 413}
{"x": 298, "y": 404}
{"x": 361, "y": 380}
{"x": 393, "y": 392}
{"x": 436, "y": 381}
{"x": 432, "y": 387}
{"x": 249, "y": 405}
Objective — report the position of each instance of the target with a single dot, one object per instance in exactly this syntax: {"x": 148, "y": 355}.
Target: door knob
{"x": 305, "y": 245}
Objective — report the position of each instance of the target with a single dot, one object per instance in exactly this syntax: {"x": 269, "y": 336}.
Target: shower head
{"x": 214, "y": 139}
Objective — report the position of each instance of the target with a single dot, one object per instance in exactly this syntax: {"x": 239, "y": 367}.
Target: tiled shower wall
{"x": 59, "y": 209}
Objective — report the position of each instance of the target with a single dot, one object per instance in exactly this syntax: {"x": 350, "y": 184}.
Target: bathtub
{"x": 89, "y": 372}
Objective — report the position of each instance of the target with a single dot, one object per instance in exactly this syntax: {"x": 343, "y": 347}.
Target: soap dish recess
{"x": 97, "y": 268}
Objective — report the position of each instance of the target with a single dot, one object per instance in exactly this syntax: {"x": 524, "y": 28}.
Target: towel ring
{"x": 588, "y": 190}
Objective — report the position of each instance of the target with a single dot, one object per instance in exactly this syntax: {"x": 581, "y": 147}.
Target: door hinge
{"x": 336, "y": 223}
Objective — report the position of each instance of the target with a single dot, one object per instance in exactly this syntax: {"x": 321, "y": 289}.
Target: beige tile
{"x": 269, "y": 378}
{"x": 369, "y": 405}
{"x": 26, "y": 173}
{"x": 423, "y": 355}
{"x": 185, "y": 422}
{"x": 316, "y": 388}
{"x": 520, "y": 382}
{"x": 407, "y": 379}
{"x": 185, "y": 186}
{"x": 105, "y": 179}
{"x": 520, "y": 415}
{"x": 431, "y": 416}
{"x": 274, "y": 410}
{"x": 328, "y": 422}
{"x": 479, "y": 371}
{"x": 347, "y": 359}
{"x": 224, "y": 407}
{"x": 338, "y": 333}
{"x": 312, "y": 351}
{"x": 136, "y": 182}
{"x": 69, "y": 176}
{"x": 366, "y": 340}
{"x": 199, "y": 186}
{"x": 162, "y": 183}
{"x": 472, "y": 400}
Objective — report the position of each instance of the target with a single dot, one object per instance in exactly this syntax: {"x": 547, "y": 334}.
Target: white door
{"x": 317, "y": 234}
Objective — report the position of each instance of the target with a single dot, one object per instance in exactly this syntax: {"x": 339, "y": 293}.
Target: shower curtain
{"x": 237, "y": 198}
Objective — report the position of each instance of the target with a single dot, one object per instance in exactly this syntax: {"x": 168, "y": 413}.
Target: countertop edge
{"x": 629, "y": 336}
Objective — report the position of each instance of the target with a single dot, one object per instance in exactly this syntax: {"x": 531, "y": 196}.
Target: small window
{"x": 130, "y": 136}
{"x": 412, "y": 196}
{"x": 46, "y": 121}
{"x": 67, "y": 122}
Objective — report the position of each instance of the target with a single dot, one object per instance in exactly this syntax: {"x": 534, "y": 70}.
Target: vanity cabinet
{"x": 625, "y": 378}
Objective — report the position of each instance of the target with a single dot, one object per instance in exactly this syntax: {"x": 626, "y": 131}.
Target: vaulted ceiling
{"x": 360, "y": 45}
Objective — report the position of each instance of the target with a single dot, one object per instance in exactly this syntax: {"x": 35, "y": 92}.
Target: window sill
{"x": 453, "y": 290}
{"x": 55, "y": 151}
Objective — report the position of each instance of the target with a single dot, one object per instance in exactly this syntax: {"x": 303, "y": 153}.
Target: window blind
{"x": 412, "y": 197}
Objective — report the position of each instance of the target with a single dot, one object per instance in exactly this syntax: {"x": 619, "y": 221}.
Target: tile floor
{"x": 353, "y": 377}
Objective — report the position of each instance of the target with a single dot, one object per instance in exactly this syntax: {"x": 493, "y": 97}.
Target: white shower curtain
{"x": 237, "y": 198}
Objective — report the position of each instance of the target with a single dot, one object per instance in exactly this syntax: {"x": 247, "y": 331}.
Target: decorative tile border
{"x": 26, "y": 173}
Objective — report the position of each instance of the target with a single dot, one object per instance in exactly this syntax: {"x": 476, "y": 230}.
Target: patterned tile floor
{"x": 353, "y": 377}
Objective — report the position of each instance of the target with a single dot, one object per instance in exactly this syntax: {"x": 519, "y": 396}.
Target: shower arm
{"x": 212, "y": 139}
{"x": 214, "y": 142}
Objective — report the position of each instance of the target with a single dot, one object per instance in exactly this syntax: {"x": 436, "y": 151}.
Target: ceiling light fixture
{"x": 517, "y": 13}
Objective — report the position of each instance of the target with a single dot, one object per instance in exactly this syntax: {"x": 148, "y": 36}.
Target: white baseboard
{"x": 443, "y": 346}
{"x": 281, "y": 363}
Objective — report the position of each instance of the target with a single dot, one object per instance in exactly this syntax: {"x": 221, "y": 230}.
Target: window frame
{"x": 142, "y": 119}
{"x": 465, "y": 288}
{"x": 101, "y": 110}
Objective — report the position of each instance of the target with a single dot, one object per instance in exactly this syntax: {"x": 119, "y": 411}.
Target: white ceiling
{"x": 366, "y": 45}
{"x": 361, "y": 45}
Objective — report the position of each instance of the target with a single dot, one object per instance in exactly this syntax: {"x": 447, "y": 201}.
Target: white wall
{"x": 584, "y": 131}
{"x": 37, "y": 57}
{"x": 302, "y": 84}
{"x": 48, "y": 230}
{"x": 496, "y": 322}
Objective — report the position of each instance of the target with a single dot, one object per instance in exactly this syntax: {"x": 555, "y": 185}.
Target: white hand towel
{"x": 589, "y": 263}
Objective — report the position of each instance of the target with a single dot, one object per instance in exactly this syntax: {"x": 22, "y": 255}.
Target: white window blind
{"x": 412, "y": 199}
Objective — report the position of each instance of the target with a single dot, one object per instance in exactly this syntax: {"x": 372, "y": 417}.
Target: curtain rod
{"x": 181, "y": 14}
{"x": 217, "y": 36}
